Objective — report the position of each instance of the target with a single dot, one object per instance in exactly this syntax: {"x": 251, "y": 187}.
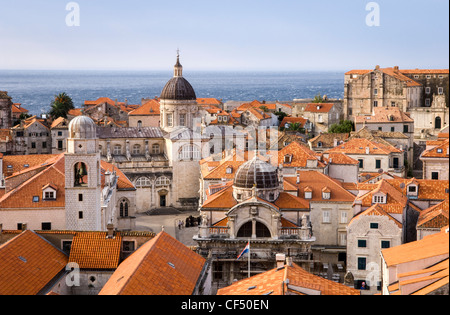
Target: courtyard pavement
{"x": 155, "y": 222}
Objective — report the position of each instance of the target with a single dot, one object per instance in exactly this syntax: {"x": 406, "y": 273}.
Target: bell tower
{"x": 83, "y": 177}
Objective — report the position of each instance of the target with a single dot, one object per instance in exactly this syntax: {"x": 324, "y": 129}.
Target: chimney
{"x": 367, "y": 150}
{"x": 396, "y": 68}
{"x": 298, "y": 178}
{"x": 281, "y": 258}
{"x": 377, "y": 67}
{"x": 24, "y": 226}
{"x": 110, "y": 228}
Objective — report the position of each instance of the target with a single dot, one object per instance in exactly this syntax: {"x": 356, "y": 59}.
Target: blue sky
{"x": 224, "y": 35}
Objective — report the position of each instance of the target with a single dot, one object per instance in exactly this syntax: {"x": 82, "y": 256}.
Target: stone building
{"x": 435, "y": 160}
{"x": 253, "y": 209}
{"x": 423, "y": 93}
{"x": 69, "y": 191}
{"x": 365, "y": 90}
{"x": 5, "y": 110}
{"x": 368, "y": 233}
{"x": 390, "y": 120}
{"x": 59, "y": 130}
{"x": 32, "y": 136}
{"x": 141, "y": 154}
{"x": 146, "y": 115}
{"x": 373, "y": 156}
{"x": 322, "y": 116}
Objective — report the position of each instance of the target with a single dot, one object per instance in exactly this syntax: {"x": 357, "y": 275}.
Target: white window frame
{"x": 162, "y": 181}
{"x": 326, "y": 216}
{"x": 169, "y": 120}
{"x": 117, "y": 149}
{"x": 143, "y": 182}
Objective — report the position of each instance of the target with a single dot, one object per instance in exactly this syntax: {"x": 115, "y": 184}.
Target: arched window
{"x": 247, "y": 230}
{"x": 117, "y": 149}
{"x": 143, "y": 182}
{"x": 162, "y": 181}
{"x": 80, "y": 175}
{"x": 189, "y": 152}
{"x": 139, "y": 123}
{"x": 136, "y": 149}
{"x": 123, "y": 207}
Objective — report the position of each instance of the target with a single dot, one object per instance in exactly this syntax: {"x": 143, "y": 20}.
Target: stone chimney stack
{"x": 280, "y": 258}
{"x": 110, "y": 228}
{"x": 298, "y": 178}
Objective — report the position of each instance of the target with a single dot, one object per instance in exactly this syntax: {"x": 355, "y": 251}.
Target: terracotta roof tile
{"x": 300, "y": 155}
{"x": 150, "y": 108}
{"x": 385, "y": 115}
{"x": 93, "y": 250}
{"x": 28, "y": 263}
{"x": 359, "y": 145}
{"x": 430, "y": 246}
{"x": 319, "y": 107}
{"x": 273, "y": 282}
{"x": 162, "y": 266}
{"x": 435, "y": 217}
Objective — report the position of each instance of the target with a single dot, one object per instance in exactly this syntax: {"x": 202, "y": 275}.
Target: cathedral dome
{"x": 82, "y": 127}
{"x": 258, "y": 172}
{"x": 178, "y": 88}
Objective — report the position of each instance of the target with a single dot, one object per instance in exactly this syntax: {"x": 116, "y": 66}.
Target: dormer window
{"x": 288, "y": 158}
{"x": 49, "y": 192}
{"x": 229, "y": 170}
{"x": 379, "y": 199}
{"x": 308, "y": 193}
{"x": 326, "y": 193}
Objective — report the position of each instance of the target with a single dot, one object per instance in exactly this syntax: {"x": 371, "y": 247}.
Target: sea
{"x": 35, "y": 89}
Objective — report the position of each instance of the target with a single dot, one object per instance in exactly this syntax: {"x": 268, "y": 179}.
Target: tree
{"x": 280, "y": 115}
{"x": 61, "y": 105}
{"x": 345, "y": 126}
{"x": 318, "y": 99}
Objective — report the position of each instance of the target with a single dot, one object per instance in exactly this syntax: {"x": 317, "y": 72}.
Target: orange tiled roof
{"x": 440, "y": 151}
{"x": 208, "y": 101}
{"x": 396, "y": 200}
{"x": 291, "y": 120}
{"x": 28, "y": 263}
{"x": 435, "y": 217}
{"x": 274, "y": 282}
{"x": 316, "y": 181}
{"x": 319, "y": 107}
{"x": 162, "y": 266}
{"x": 300, "y": 155}
{"x": 93, "y": 250}
{"x": 17, "y": 108}
{"x": 150, "y": 108}
{"x": 428, "y": 189}
{"x": 396, "y": 73}
{"x": 385, "y": 115}
{"x": 75, "y": 112}
{"x": 339, "y": 158}
{"x": 375, "y": 210}
{"x": 23, "y": 195}
{"x": 359, "y": 145}
{"x": 18, "y": 162}
{"x": 430, "y": 246}
{"x": 123, "y": 181}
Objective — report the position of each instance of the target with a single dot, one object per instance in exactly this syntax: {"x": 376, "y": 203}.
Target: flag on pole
{"x": 246, "y": 250}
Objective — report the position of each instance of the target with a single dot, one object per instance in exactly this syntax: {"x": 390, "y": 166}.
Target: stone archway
{"x": 260, "y": 230}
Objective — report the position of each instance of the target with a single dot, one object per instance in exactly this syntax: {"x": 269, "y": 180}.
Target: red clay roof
{"x": 28, "y": 263}
{"x": 93, "y": 250}
{"x": 274, "y": 282}
{"x": 162, "y": 266}
{"x": 150, "y": 108}
{"x": 319, "y": 107}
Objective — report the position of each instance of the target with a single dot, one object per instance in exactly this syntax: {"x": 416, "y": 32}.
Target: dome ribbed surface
{"x": 82, "y": 127}
{"x": 178, "y": 88}
{"x": 256, "y": 172}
